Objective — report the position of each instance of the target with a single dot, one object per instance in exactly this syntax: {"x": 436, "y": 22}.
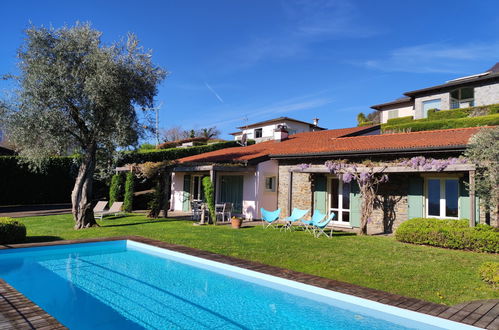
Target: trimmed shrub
{"x": 425, "y": 125}
{"x": 489, "y": 272}
{"x": 493, "y": 109}
{"x": 129, "y": 189}
{"x": 116, "y": 188}
{"x": 11, "y": 231}
{"x": 159, "y": 155}
{"x": 400, "y": 120}
{"x": 366, "y": 123}
{"x": 209, "y": 193}
{"x": 20, "y": 185}
{"x": 452, "y": 234}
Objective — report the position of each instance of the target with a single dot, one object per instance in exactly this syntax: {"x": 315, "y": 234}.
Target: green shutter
{"x": 415, "y": 198}
{"x": 464, "y": 202}
{"x": 231, "y": 191}
{"x": 355, "y": 204}
{"x": 320, "y": 194}
{"x": 186, "y": 196}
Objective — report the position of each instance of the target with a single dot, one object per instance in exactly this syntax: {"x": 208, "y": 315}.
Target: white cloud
{"x": 434, "y": 58}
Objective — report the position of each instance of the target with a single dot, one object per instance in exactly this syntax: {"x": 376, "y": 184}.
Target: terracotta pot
{"x": 236, "y": 222}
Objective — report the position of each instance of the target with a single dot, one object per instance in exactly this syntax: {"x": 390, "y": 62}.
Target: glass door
{"x": 339, "y": 201}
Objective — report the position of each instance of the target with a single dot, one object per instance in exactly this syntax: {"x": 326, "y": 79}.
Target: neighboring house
{"x": 244, "y": 176}
{"x": 475, "y": 90}
{"x": 4, "y": 148}
{"x": 264, "y": 130}
{"x": 270, "y": 175}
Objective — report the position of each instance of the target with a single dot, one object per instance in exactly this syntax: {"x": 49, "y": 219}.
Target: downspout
{"x": 290, "y": 192}
{"x": 472, "y": 199}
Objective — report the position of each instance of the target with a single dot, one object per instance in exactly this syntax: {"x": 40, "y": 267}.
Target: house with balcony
{"x": 264, "y": 130}
{"x": 471, "y": 91}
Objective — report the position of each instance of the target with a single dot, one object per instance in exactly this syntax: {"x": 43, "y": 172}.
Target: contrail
{"x": 214, "y": 93}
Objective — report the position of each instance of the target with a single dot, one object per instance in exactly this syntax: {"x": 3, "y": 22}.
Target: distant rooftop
{"x": 277, "y": 120}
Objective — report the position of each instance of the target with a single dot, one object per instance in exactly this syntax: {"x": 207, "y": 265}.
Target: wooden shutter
{"x": 320, "y": 194}
{"x": 355, "y": 204}
{"x": 186, "y": 196}
{"x": 415, "y": 198}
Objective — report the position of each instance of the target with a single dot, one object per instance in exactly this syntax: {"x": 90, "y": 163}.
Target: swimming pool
{"x": 131, "y": 285}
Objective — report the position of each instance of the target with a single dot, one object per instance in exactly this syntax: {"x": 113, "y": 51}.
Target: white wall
{"x": 404, "y": 109}
{"x": 267, "y": 200}
{"x": 268, "y": 130}
{"x": 488, "y": 94}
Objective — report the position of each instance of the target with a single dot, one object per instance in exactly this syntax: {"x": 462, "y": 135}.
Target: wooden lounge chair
{"x": 116, "y": 208}
{"x": 99, "y": 208}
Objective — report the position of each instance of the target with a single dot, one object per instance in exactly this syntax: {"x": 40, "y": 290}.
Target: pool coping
{"x": 18, "y": 310}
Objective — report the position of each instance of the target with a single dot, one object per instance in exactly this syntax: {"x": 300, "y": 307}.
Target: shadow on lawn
{"x": 39, "y": 239}
{"x": 104, "y": 224}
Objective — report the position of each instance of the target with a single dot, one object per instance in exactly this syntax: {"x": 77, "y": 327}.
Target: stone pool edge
{"x": 21, "y": 312}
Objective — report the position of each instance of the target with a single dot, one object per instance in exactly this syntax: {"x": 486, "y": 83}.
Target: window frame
{"x": 272, "y": 179}
{"x": 259, "y": 130}
{"x": 456, "y": 103}
{"x": 339, "y": 209}
{"x": 425, "y": 113}
{"x": 442, "y": 197}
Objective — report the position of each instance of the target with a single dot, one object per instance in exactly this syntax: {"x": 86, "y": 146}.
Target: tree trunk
{"x": 81, "y": 197}
{"x": 367, "y": 205}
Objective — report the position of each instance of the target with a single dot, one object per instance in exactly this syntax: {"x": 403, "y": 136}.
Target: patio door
{"x": 231, "y": 191}
{"x": 197, "y": 188}
{"x": 339, "y": 201}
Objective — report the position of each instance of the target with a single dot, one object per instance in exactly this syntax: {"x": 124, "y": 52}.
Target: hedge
{"x": 129, "y": 190}
{"x": 453, "y": 234}
{"x": 366, "y": 123}
{"x": 425, "y": 125}
{"x": 11, "y": 231}
{"x": 489, "y": 272}
{"x": 400, "y": 120}
{"x": 171, "y": 154}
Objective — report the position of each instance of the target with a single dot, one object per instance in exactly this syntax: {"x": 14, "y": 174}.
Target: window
{"x": 430, "y": 104}
{"x": 270, "y": 183}
{"x": 339, "y": 200}
{"x": 442, "y": 196}
{"x": 462, "y": 98}
{"x": 258, "y": 132}
{"x": 393, "y": 114}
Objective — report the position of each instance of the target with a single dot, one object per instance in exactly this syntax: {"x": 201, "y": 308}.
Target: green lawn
{"x": 433, "y": 274}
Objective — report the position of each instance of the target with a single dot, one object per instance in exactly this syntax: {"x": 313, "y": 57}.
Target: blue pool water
{"x": 113, "y": 285}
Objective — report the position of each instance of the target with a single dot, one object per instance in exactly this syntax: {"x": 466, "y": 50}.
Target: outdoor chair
{"x": 116, "y": 208}
{"x": 99, "y": 208}
{"x": 316, "y": 218}
{"x": 224, "y": 211}
{"x": 269, "y": 218}
{"x": 296, "y": 215}
{"x": 320, "y": 226}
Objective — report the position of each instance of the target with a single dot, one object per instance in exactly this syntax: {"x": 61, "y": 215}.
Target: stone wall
{"x": 301, "y": 190}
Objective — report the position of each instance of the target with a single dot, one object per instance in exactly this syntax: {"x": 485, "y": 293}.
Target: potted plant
{"x": 236, "y": 222}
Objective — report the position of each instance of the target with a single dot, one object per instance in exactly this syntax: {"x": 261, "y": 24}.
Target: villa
{"x": 270, "y": 175}
{"x": 476, "y": 90}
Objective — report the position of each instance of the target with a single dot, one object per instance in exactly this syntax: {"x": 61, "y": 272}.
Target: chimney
{"x": 280, "y": 133}
{"x": 316, "y": 121}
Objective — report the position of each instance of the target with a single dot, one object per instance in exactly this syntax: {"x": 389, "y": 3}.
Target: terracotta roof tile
{"x": 334, "y": 141}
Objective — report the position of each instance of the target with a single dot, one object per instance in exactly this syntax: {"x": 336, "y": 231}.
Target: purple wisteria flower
{"x": 303, "y": 166}
{"x": 384, "y": 178}
{"x": 364, "y": 177}
{"x": 333, "y": 167}
{"x": 347, "y": 177}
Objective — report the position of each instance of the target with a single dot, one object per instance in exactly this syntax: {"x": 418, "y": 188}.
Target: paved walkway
{"x": 20, "y": 211}
{"x": 483, "y": 313}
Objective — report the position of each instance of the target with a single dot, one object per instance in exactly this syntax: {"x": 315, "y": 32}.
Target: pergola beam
{"x": 390, "y": 169}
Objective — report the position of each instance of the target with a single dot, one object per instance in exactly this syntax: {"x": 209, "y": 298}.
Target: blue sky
{"x": 231, "y": 60}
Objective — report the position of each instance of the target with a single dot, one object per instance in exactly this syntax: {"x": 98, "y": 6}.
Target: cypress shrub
{"x": 449, "y": 114}
{"x": 453, "y": 234}
{"x": 129, "y": 190}
{"x": 209, "y": 193}
{"x": 116, "y": 188}
{"x": 11, "y": 231}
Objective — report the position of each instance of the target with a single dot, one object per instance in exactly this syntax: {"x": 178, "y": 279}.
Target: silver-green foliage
{"x": 483, "y": 150}
{"x": 75, "y": 91}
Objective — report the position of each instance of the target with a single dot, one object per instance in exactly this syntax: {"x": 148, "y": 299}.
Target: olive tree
{"x": 483, "y": 150}
{"x": 76, "y": 94}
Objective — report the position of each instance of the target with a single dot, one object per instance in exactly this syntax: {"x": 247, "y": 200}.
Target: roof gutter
{"x": 393, "y": 151}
